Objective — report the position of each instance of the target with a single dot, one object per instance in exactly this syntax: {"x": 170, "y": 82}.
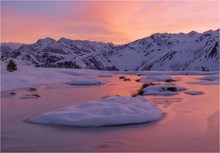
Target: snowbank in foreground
{"x": 86, "y": 81}
{"x": 117, "y": 110}
{"x": 165, "y": 90}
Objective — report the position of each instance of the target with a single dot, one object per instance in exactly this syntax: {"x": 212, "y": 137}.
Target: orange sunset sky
{"x": 114, "y": 21}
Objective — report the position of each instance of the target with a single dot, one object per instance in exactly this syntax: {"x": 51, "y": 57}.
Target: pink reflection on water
{"x": 185, "y": 127}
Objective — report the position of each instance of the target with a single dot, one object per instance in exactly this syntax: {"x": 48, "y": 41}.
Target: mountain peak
{"x": 63, "y": 39}
{"x": 192, "y": 33}
{"x": 46, "y": 40}
{"x": 43, "y": 43}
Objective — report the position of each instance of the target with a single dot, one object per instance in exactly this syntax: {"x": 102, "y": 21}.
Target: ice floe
{"x": 157, "y": 78}
{"x": 207, "y": 80}
{"x": 194, "y": 92}
{"x": 116, "y": 110}
{"x": 210, "y": 78}
{"x": 32, "y": 96}
{"x": 86, "y": 81}
{"x": 154, "y": 73}
{"x": 165, "y": 90}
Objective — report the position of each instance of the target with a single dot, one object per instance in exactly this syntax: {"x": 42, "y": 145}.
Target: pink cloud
{"x": 119, "y": 22}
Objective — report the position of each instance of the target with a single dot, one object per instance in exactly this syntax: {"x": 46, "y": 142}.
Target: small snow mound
{"x": 116, "y": 110}
{"x": 194, "y": 92}
{"x": 210, "y": 78}
{"x": 207, "y": 80}
{"x": 158, "y": 78}
{"x": 32, "y": 96}
{"x": 165, "y": 90}
{"x": 86, "y": 81}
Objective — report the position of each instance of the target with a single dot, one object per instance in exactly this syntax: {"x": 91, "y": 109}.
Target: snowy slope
{"x": 51, "y": 53}
{"x": 192, "y": 51}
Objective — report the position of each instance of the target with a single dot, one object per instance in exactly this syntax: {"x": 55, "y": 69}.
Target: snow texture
{"x": 86, "y": 81}
{"x": 116, "y": 110}
{"x": 165, "y": 90}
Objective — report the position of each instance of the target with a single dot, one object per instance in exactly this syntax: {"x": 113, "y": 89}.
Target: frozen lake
{"x": 190, "y": 122}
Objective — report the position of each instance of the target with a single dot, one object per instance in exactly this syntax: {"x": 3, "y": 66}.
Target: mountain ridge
{"x": 165, "y": 51}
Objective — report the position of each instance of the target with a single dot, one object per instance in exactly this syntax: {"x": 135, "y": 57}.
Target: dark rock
{"x": 122, "y": 77}
{"x": 173, "y": 89}
{"x": 32, "y": 89}
{"x": 12, "y": 93}
{"x": 127, "y": 79}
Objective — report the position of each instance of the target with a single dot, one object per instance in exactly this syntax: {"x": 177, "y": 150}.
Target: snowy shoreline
{"x": 27, "y": 76}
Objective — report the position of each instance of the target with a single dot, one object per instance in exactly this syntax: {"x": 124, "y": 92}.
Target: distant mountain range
{"x": 191, "y": 51}
{"x": 12, "y": 45}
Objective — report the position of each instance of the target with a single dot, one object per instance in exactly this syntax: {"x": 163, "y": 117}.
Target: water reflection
{"x": 186, "y": 118}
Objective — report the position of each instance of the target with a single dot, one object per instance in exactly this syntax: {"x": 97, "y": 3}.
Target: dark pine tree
{"x": 11, "y": 66}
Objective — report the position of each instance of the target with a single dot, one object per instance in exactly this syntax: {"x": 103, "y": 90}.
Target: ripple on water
{"x": 109, "y": 144}
{"x": 166, "y": 101}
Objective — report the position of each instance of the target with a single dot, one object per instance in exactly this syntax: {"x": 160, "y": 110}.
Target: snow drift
{"x": 116, "y": 110}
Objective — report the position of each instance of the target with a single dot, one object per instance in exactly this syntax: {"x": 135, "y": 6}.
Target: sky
{"x": 107, "y": 21}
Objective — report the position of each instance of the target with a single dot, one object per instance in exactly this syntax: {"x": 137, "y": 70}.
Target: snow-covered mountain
{"x": 12, "y": 45}
{"x": 8, "y": 48}
{"x": 192, "y": 51}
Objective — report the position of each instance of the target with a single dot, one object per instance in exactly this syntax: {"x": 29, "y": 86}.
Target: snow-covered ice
{"x": 27, "y": 76}
{"x": 194, "y": 92}
{"x": 210, "y": 78}
{"x": 86, "y": 81}
{"x": 116, "y": 110}
{"x": 32, "y": 96}
{"x": 105, "y": 74}
{"x": 156, "y": 73}
{"x": 158, "y": 78}
{"x": 165, "y": 90}
{"x": 207, "y": 80}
